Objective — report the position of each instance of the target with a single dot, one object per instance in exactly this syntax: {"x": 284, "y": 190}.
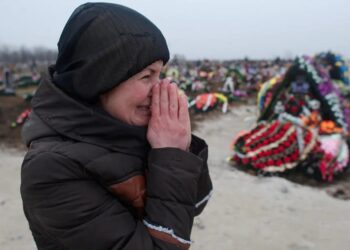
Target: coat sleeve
{"x": 75, "y": 212}
{"x": 179, "y": 187}
{"x": 172, "y": 186}
{"x": 204, "y": 188}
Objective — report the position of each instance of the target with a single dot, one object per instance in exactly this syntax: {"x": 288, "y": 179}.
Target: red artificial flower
{"x": 245, "y": 161}
{"x": 286, "y": 159}
{"x": 294, "y": 157}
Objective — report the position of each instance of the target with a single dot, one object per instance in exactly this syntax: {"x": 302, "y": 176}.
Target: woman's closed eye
{"x": 146, "y": 76}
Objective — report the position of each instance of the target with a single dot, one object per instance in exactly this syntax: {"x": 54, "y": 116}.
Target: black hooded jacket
{"x": 92, "y": 182}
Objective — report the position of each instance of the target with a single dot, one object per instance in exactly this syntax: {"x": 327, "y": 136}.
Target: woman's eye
{"x": 145, "y": 77}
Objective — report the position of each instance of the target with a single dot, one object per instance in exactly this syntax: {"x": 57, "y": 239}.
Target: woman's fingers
{"x": 155, "y": 100}
{"x": 183, "y": 109}
{"x": 173, "y": 101}
{"x": 164, "y": 98}
{"x": 172, "y": 127}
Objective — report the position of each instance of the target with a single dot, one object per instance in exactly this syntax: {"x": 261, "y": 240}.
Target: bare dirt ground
{"x": 245, "y": 212}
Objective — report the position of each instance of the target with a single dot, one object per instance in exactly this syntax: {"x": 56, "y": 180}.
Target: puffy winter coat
{"x": 92, "y": 182}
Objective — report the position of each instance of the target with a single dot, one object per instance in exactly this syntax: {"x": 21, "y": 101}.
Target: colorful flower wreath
{"x": 274, "y": 147}
{"x": 208, "y": 101}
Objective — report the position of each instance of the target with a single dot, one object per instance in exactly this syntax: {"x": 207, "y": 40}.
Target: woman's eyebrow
{"x": 147, "y": 70}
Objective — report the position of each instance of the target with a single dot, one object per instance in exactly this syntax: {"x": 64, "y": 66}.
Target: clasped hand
{"x": 169, "y": 125}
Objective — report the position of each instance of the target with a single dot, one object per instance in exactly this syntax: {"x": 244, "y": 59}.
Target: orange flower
{"x": 329, "y": 127}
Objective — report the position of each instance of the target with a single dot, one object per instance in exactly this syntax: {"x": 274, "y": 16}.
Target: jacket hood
{"x": 102, "y": 45}
{"x": 57, "y": 114}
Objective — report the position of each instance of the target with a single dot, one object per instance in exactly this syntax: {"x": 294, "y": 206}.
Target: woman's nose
{"x": 156, "y": 81}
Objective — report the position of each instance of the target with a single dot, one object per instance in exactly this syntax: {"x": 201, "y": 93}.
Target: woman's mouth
{"x": 144, "y": 110}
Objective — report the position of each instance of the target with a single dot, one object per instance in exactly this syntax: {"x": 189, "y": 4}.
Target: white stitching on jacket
{"x": 166, "y": 230}
{"x": 207, "y": 197}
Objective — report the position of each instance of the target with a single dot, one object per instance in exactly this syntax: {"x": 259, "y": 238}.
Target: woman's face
{"x": 130, "y": 101}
